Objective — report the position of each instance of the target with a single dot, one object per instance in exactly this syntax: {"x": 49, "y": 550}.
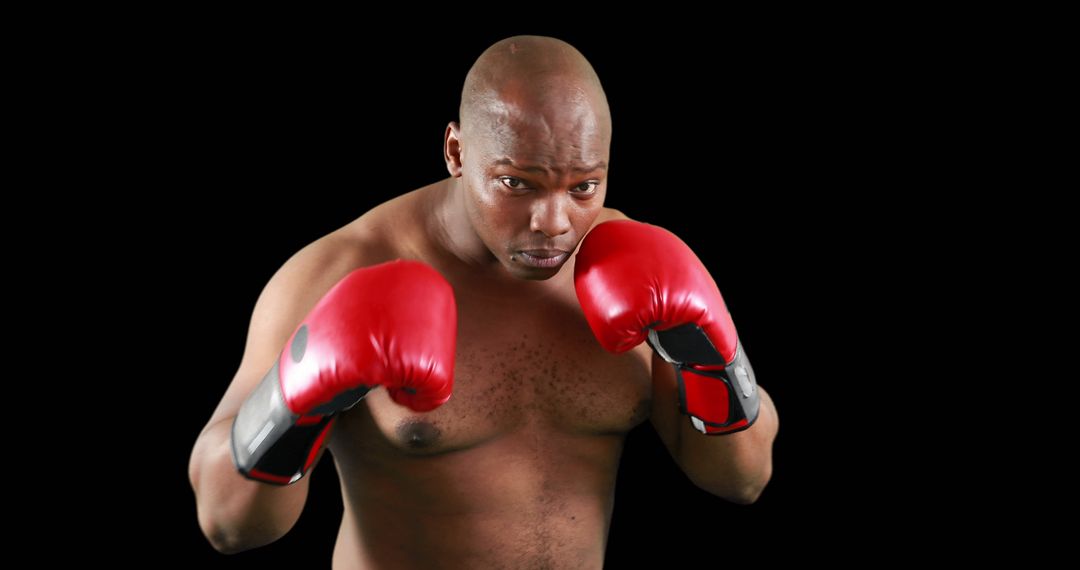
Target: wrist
{"x": 270, "y": 442}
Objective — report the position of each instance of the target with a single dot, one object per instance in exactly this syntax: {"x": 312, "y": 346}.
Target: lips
{"x": 543, "y": 252}
{"x": 543, "y": 258}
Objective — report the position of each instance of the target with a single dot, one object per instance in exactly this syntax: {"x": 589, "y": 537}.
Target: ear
{"x": 452, "y": 149}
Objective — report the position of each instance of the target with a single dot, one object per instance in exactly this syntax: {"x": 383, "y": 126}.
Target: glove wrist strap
{"x": 272, "y": 444}
{"x": 720, "y": 397}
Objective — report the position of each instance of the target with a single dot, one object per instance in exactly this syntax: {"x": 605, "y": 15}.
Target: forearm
{"x": 236, "y": 513}
{"x": 734, "y": 466}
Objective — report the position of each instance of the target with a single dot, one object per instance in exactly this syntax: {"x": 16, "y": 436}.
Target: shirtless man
{"x": 505, "y": 363}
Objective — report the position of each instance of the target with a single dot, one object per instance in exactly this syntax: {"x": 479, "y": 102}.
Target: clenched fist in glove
{"x": 392, "y": 325}
{"x": 639, "y": 282}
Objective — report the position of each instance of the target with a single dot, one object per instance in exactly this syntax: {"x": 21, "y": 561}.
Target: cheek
{"x": 486, "y": 211}
{"x": 583, "y": 217}
{"x": 480, "y": 195}
{"x": 477, "y": 210}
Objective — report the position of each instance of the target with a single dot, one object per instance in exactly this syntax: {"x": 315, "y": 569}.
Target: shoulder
{"x": 381, "y": 234}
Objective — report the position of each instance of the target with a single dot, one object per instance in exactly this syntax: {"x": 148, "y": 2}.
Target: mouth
{"x": 542, "y": 258}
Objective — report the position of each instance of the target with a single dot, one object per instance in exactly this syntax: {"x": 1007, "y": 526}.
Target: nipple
{"x": 417, "y": 434}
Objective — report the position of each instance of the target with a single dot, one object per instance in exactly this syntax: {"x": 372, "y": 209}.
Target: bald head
{"x": 532, "y": 79}
{"x": 529, "y": 160}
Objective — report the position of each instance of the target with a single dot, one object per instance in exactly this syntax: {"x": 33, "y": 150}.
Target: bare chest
{"x": 519, "y": 366}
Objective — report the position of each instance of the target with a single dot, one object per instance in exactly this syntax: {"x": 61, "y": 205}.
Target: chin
{"x": 540, "y": 275}
{"x": 534, "y": 274}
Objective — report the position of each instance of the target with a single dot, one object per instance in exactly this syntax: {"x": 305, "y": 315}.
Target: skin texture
{"x": 518, "y": 469}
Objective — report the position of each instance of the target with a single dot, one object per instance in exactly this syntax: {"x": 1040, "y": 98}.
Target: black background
{"x": 778, "y": 155}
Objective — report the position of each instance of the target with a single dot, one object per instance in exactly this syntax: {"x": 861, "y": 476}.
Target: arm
{"x": 236, "y": 513}
{"x": 391, "y": 325}
{"x": 735, "y": 466}
{"x": 638, "y": 282}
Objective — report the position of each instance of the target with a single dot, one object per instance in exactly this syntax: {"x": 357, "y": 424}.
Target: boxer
{"x": 473, "y": 352}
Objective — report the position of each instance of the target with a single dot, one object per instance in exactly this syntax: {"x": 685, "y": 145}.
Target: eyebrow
{"x": 590, "y": 168}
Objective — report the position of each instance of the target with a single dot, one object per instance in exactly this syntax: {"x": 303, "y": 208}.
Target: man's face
{"x": 534, "y": 183}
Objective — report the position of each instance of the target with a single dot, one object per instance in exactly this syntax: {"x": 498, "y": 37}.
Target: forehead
{"x": 552, "y": 134}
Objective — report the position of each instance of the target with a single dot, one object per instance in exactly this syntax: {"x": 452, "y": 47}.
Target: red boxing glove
{"x": 392, "y": 325}
{"x": 638, "y": 282}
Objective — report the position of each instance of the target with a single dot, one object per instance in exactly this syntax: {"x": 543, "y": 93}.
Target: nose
{"x": 550, "y": 215}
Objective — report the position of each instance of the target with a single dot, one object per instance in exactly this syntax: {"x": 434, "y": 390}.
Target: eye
{"x": 512, "y": 183}
{"x": 585, "y": 187}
